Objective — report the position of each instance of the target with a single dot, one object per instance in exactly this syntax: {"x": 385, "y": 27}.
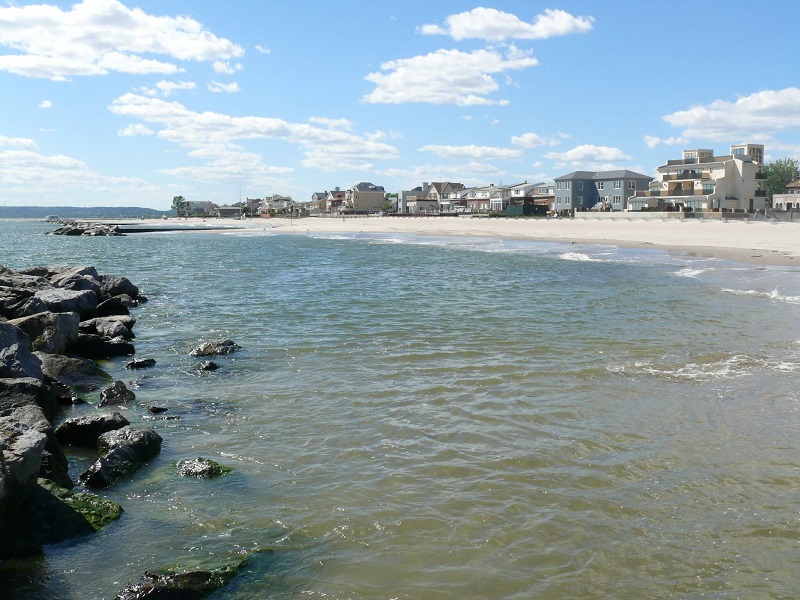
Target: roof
{"x": 599, "y": 175}
{"x": 366, "y": 186}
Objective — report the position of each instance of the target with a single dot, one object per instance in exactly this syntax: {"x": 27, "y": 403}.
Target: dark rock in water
{"x": 115, "y": 285}
{"x": 94, "y": 346}
{"x": 75, "y": 372}
{"x": 90, "y": 229}
{"x": 143, "y": 363}
{"x": 54, "y": 470}
{"x": 54, "y": 462}
{"x": 216, "y": 348}
{"x": 184, "y": 586}
{"x": 84, "y": 431}
{"x": 116, "y": 393}
{"x": 50, "y": 332}
{"x": 107, "y": 328}
{"x": 112, "y": 306}
{"x": 145, "y": 442}
{"x": 127, "y": 449}
{"x": 155, "y": 410}
{"x": 207, "y": 365}
{"x": 201, "y": 467}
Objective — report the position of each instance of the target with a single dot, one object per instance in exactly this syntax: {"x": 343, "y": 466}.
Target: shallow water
{"x": 449, "y": 418}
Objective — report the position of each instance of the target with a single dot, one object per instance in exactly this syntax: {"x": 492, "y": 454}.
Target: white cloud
{"x": 226, "y": 68}
{"x": 212, "y": 137}
{"x": 470, "y": 174}
{"x": 167, "y": 88}
{"x": 494, "y": 25}
{"x": 759, "y": 114}
{"x": 345, "y": 124}
{"x": 533, "y": 140}
{"x": 588, "y": 153}
{"x": 96, "y": 37}
{"x": 263, "y": 49}
{"x": 229, "y": 88}
{"x": 446, "y": 77}
{"x": 653, "y": 141}
{"x": 135, "y": 129}
{"x": 8, "y": 142}
{"x": 472, "y": 152}
{"x": 45, "y": 104}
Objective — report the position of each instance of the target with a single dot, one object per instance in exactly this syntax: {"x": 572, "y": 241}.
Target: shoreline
{"x": 758, "y": 243}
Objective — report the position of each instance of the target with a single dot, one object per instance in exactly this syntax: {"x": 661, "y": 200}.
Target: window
{"x": 580, "y": 185}
{"x": 617, "y": 199}
{"x": 632, "y": 184}
{"x": 566, "y": 185}
{"x": 558, "y": 185}
{"x": 617, "y": 184}
{"x": 600, "y": 185}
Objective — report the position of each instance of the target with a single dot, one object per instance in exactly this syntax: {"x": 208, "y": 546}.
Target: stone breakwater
{"x": 54, "y": 322}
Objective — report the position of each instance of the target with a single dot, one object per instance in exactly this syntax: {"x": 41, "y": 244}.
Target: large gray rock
{"x": 187, "y": 585}
{"x": 107, "y": 327}
{"x": 54, "y": 462}
{"x": 16, "y": 392}
{"x": 84, "y": 431}
{"x": 22, "y": 448}
{"x": 78, "y": 278}
{"x": 114, "y": 285}
{"x": 215, "y": 348}
{"x": 83, "y": 302}
{"x": 127, "y": 449}
{"x": 93, "y": 346}
{"x": 16, "y": 358}
{"x": 116, "y": 393}
{"x": 111, "y": 307}
{"x": 50, "y": 332}
{"x": 65, "y": 273}
{"x": 79, "y": 373}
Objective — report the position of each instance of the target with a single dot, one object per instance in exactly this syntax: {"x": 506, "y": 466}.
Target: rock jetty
{"x": 52, "y": 322}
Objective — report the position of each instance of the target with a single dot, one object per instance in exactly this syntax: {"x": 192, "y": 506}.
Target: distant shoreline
{"x": 760, "y": 243}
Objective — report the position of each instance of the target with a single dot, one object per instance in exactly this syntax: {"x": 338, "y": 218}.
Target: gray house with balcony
{"x": 598, "y": 190}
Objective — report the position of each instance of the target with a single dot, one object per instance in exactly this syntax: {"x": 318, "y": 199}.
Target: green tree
{"x": 779, "y": 173}
{"x": 176, "y": 204}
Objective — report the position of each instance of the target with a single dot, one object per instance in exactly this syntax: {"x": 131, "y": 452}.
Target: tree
{"x": 779, "y": 173}
{"x": 176, "y": 204}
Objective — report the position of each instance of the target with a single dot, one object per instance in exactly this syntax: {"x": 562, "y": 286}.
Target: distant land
{"x": 82, "y": 212}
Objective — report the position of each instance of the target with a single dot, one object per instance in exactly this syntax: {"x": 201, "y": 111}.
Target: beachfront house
{"x": 598, "y": 190}
{"x": 365, "y": 197}
{"x": 700, "y": 181}
{"x": 196, "y": 208}
{"x": 789, "y": 199}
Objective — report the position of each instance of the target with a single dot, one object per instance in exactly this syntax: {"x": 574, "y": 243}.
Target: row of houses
{"x": 698, "y": 181}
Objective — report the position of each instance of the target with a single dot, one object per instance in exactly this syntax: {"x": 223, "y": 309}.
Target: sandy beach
{"x": 752, "y": 242}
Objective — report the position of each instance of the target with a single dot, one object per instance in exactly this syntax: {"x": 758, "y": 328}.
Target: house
{"x": 530, "y": 198}
{"x": 403, "y": 198}
{"x": 229, "y": 212}
{"x": 365, "y": 197}
{"x": 701, "y": 181}
{"x": 790, "y": 199}
{"x": 334, "y": 201}
{"x": 191, "y": 208}
{"x": 609, "y": 190}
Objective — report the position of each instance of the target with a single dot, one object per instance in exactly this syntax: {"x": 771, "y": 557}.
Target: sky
{"x": 132, "y": 102}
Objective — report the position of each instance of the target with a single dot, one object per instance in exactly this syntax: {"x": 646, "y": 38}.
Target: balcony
{"x": 761, "y": 193}
{"x": 761, "y": 175}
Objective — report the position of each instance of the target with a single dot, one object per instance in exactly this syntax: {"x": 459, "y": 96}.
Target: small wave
{"x": 724, "y": 368}
{"x": 689, "y": 272}
{"x": 773, "y": 295}
{"x": 579, "y": 257}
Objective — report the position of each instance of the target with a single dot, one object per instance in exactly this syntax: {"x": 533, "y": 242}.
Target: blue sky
{"x": 129, "y": 103}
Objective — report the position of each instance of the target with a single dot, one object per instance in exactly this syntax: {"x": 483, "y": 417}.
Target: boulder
{"x": 127, "y": 448}
{"x": 79, "y": 373}
{"x": 93, "y": 346}
{"x": 215, "y": 348}
{"x": 50, "y": 332}
{"x": 27, "y": 391}
{"x": 22, "y": 448}
{"x": 207, "y": 365}
{"x": 29, "y": 306}
{"x": 16, "y": 358}
{"x": 107, "y": 328}
{"x": 116, "y": 393}
{"x": 112, "y": 306}
{"x": 144, "y": 363}
{"x": 201, "y": 467}
{"x": 83, "y": 302}
{"x": 186, "y": 585}
{"x": 84, "y": 431}
{"x": 115, "y": 285}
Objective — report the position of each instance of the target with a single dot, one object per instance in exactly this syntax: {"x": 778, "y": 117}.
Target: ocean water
{"x": 434, "y": 418}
